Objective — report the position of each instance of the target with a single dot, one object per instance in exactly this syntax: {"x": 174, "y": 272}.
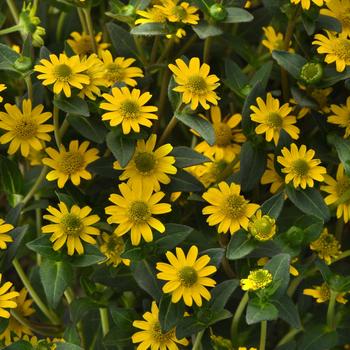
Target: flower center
{"x": 345, "y": 17}
{"x": 25, "y": 129}
{"x": 84, "y": 46}
{"x": 263, "y": 229}
{"x": 320, "y": 97}
{"x": 115, "y": 245}
{"x": 139, "y": 212}
{"x": 179, "y": 12}
{"x": 63, "y": 72}
{"x": 223, "y": 134}
{"x": 342, "y": 186}
{"x": 197, "y": 84}
{"x": 324, "y": 292}
{"x": 279, "y": 45}
{"x": 342, "y": 49}
{"x": 159, "y": 336}
{"x": 188, "y": 276}
{"x": 115, "y": 73}
{"x": 274, "y": 120}
{"x": 71, "y": 162}
{"x": 234, "y": 206}
{"x": 300, "y": 167}
{"x": 261, "y": 278}
{"x": 129, "y": 109}
{"x": 145, "y": 162}
{"x": 72, "y": 225}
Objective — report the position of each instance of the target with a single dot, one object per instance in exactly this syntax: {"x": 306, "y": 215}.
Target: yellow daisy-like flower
{"x": 339, "y": 9}
{"x": 271, "y": 176}
{"x": 64, "y": 72}
{"x": 244, "y": 348}
{"x": 273, "y": 118}
{"x": 228, "y": 208}
{"x": 24, "y": 308}
{"x": 300, "y": 166}
{"x": 152, "y": 15}
{"x": 341, "y": 116}
{"x": 274, "y": 40}
{"x": 305, "y": 4}
{"x": 151, "y": 335}
{"x": 338, "y": 189}
{"x": 70, "y": 227}
{"x": 257, "y": 279}
{"x": 70, "y": 164}
{"x": 149, "y": 166}
{"x": 336, "y": 47}
{"x": 187, "y": 276}
{"x": 326, "y": 246}
{"x": 194, "y": 82}
{"x": 227, "y": 137}
{"x": 2, "y": 88}
{"x": 182, "y": 12}
{"x": 118, "y": 70}
{"x": 112, "y": 247}
{"x": 133, "y": 211}
{"x": 5, "y": 238}
{"x": 128, "y": 109}
{"x": 7, "y": 299}
{"x": 262, "y": 227}
{"x": 322, "y": 294}
{"x": 81, "y": 43}
{"x": 25, "y": 129}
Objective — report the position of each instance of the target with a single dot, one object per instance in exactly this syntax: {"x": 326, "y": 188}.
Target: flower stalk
{"x": 263, "y": 333}
{"x": 237, "y": 316}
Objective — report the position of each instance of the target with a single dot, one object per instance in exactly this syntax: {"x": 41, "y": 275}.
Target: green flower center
{"x": 63, "y": 72}
{"x": 145, "y": 162}
{"x": 161, "y": 337}
{"x": 84, "y": 45}
{"x": 279, "y": 45}
{"x": 115, "y": 73}
{"x": 25, "y": 129}
{"x": 342, "y": 49}
{"x": 311, "y": 72}
{"x": 179, "y": 12}
{"x": 197, "y": 84}
{"x": 342, "y": 186}
{"x": 72, "y": 225}
{"x": 263, "y": 229}
{"x": 234, "y": 206}
{"x": 261, "y": 278}
{"x": 345, "y": 17}
{"x": 71, "y": 162}
{"x": 129, "y": 109}
{"x": 188, "y": 276}
{"x": 301, "y": 167}
{"x": 115, "y": 244}
{"x": 325, "y": 292}
{"x": 223, "y": 135}
{"x": 139, "y": 212}
{"x": 274, "y": 120}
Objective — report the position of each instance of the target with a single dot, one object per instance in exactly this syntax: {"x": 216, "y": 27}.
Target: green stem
{"x": 90, "y": 28}
{"x": 331, "y": 310}
{"x": 82, "y": 20}
{"x": 50, "y": 314}
{"x": 9, "y": 30}
{"x": 169, "y": 45}
{"x": 35, "y": 186}
{"x": 154, "y": 49}
{"x": 263, "y": 333}
{"x": 169, "y": 128}
{"x": 38, "y": 224}
{"x": 206, "y": 49}
{"x": 197, "y": 342}
{"x": 339, "y": 228}
{"x": 104, "y": 320}
{"x": 29, "y": 84}
{"x": 13, "y": 9}
{"x": 56, "y": 124}
{"x": 140, "y": 53}
{"x": 343, "y": 255}
{"x": 237, "y": 316}
{"x": 289, "y": 336}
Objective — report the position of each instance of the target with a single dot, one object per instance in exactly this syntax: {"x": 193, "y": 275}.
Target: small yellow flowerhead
{"x": 2, "y": 88}
{"x": 112, "y": 247}
{"x": 262, "y": 227}
{"x": 257, "y": 279}
{"x": 322, "y": 294}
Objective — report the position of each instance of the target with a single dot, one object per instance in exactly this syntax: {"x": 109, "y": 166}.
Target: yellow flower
{"x": 70, "y": 227}
{"x": 271, "y": 176}
{"x": 322, "y": 294}
{"x": 336, "y": 47}
{"x": 24, "y": 309}
{"x": 4, "y": 238}
{"x": 227, "y": 137}
{"x": 81, "y": 43}
{"x": 262, "y": 227}
{"x": 64, "y": 72}
{"x": 305, "y": 4}
{"x": 152, "y": 15}
{"x": 112, "y": 247}
{"x": 338, "y": 190}
{"x": 149, "y": 166}
{"x": 326, "y": 246}
{"x": 133, "y": 211}
{"x": 180, "y": 33}
{"x": 341, "y": 116}
{"x": 228, "y": 208}
{"x": 300, "y": 166}
{"x": 183, "y": 12}
{"x": 194, "y": 82}
{"x": 339, "y": 9}
{"x": 128, "y": 109}
{"x": 151, "y": 334}
{"x": 71, "y": 164}
{"x": 321, "y": 97}
{"x": 273, "y": 118}
{"x": 2, "y": 88}
{"x": 274, "y": 40}
{"x": 36, "y": 157}
{"x": 187, "y": 276}
{"x": 118, "y": 70}
{"x": 257, "y": 279}
{"x": 244, "y": 348}
{"x": 7, "y": 299}
{"x": 25, "y": 129}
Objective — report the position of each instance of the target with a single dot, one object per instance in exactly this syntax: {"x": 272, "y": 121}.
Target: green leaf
{"x": 140, "y": 4}
{"x": 91, "y": 128}
{"x": 186, "y": 156}
{"x": 91, "y": 256}
{"x": 221, "y": 294}
{"x": 149, "y": 29}
{"x": 20, "y": 345}
{"x": 174, "y": 97}
{"x": 329, "y": 23}
{"x": 342, "y": 147}
{"x": 201, "y": 125}
{"x": 122, "y": 148}
{"x": 312, "y": 227}
{"x": 262, "y": 75}
{"x": 72, "y": 105}
{"x": 240, "y": 246}
{"x": 188, "y": 326}
{"x": 317, "y": 338}
{"x": 253, "y": 164}
{"x": 258, "y": 311}
{"x": 309, "y": 201}
{"x": 7, "y": 58}
{"x": 291, "y": 62}
{"x": 170, "y": 313}
{"x": 205, "y": 30}
{"x": 273, "y": 206}
{"x": 216, "y": 255}
{"x": 183, "y": 181}
{"x": 67, "y": 346}
{"x": 79, "y": 308}
{"x": 236, "y": 80}
{"x": 55, "y": 277}
{"x": 288, "y": 311}
{"x": 174, "y": 234}
{"x": 43, "y": 246}
{"x": 257, "y": 91}
{"x": 332, "y": 77}
{"x": 237, "y": 15}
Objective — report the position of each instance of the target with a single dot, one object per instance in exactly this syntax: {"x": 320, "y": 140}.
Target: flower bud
{"x": 311, "y": 72}
{"x": 128, "y": 10}
{"x": 23, "y": 64}
{"x": 218, "y": 12}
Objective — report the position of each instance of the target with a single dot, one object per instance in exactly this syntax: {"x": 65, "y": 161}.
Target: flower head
{"x": 339, "y": 9}
{"x": 2, "y": 88}
{"x": 305, "y": 4}
{"x": 262, "y": 227}
{"x": 70, "y": 164}
{"x": 4, "y": 237}
{"x": 300, "y": 166}
{"x": 257, "y": 279}
{"x": 25, "y": 129}
{"x": 70, "y": 227}
{"x": 182, "y": 12}
{"x": 112, "y": 247}
{"x": 271, "y": 176}
{"x": 341, "y": 116}
{"x": 228, "y": 208}
{"x": 274, "y": 40}
{"x": 151, "y": 334}
{"x": 128, "y": 109}
{"x": 81, "y": 44}
{"x": 152, "y": 15}
{"x": 7, "y": 299}
{"x": 322, "y": 294}
{"x": 187, "y": 276}
{"x": 194, "y": 82}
